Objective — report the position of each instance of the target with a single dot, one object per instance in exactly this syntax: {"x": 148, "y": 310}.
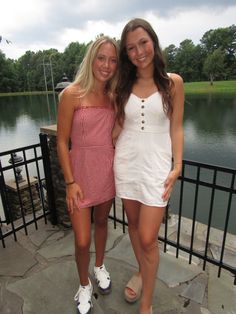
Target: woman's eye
{"x": 130, "y": 48}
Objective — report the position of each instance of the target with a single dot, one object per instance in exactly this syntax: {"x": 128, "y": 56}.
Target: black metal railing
{"x": 212, "y": 190}
{"x": 203, "y": 205}
{"x": 200, "y": 217}
{"x": 25, "y": 199}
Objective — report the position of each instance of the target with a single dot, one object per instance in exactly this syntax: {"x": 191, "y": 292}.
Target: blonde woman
{"x": 86, "y": 117}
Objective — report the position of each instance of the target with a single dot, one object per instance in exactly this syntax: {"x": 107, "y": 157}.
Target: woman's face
{"x": 105, "y": 62}
{"x": 140, "y": 48}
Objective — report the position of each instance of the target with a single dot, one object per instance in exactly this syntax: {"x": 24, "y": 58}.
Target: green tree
{"x": 31, "y": 67}
{"x": 225, "y": 40}
{"x": 25, "y": 68}
{"x": 170, "y": 53}
{"x": 8, "y": 79}
{"x": 189, "y": 60}
{"x": 214, "y": 65}
{"x": 193, "y": 62}
{"x": 72, "y": 57}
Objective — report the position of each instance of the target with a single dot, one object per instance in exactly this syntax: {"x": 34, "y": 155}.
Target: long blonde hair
{"x": 84, "y": 77}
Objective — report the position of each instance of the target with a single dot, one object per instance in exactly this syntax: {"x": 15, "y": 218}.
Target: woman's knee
{"x": 148, "y": 243}
{"x": 133, "y": 226}
{"x": 133, "y": 222}
{"x": 101, "y": 222}
{"x": 82, "y": 245}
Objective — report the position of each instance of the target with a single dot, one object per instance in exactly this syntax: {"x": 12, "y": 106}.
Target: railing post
{"x": 3, "y": 194}
{"x": 48, "y": 177}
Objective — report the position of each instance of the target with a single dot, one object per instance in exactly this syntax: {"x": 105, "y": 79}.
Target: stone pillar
{"x": 57, "y": 176}
{"x": 21, "y": 202}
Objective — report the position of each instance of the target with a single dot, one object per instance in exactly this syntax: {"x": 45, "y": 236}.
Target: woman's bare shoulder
{"x": 71, "y": 90}
{"x": 70, "y": 96}
{"x": 176, "y": 78}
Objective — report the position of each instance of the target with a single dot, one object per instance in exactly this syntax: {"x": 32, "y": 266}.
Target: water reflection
{"x": 211, "y": 113}
{"x": 21, "y": 118}
{"x": 210, "y": 129}
{"x": 34, "y": 107}
{"x": 209, "y": 123}
{"x": 210, "y": 137}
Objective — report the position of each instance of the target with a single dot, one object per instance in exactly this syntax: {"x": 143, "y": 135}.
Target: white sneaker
{"x": 83, "y": 298}
{"x": 103, "y": 279}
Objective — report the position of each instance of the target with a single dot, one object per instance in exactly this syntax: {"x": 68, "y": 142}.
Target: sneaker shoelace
{"x": 84, "y": 294}
{"x": 102, "y": 272}
{"x": 103, "y": 277}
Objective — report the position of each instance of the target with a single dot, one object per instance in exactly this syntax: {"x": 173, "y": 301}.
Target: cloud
{"x": 18, "y": 16}
{"x": 43, "y": 24}
{"x": 190, "y": 24}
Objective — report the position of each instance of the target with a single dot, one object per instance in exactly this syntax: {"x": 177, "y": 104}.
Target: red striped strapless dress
{"x": 92, "y": 153}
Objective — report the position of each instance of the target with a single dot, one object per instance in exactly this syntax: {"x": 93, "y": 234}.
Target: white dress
{"x": 143, "y": 154}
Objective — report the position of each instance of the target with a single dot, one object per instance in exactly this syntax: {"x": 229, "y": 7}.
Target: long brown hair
{"x": 127, "y": 71}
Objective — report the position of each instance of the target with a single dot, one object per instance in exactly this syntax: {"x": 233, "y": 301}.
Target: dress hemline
{"x": 164, "y": 204}
{"x": 95, "y": 203}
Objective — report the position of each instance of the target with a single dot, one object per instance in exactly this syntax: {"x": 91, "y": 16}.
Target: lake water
{"x": 21, "y": 118}
{"x": 209, "y": 124}
{"x": 210, "y": 129}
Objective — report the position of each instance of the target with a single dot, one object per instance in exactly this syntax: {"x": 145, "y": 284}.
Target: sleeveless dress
{"x": 92, "y": 153}
{"x": 143, "y": 156}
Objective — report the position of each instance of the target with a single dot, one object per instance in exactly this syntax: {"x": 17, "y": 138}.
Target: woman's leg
{"x": 150, "y": 219}
{"x": 132, "y": 210}
{"x": 81, "y": 223}
{"x": 101, "y": 213}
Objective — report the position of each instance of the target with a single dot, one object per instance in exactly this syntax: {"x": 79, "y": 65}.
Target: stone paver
{"x": 14, "y": 260}
{"x": 221, "y": 292}
{"x": 38, "y": 275}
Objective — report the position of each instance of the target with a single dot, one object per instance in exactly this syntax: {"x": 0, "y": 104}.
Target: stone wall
{"x": 20, "y": 201}
{"x": 58, "y": 184}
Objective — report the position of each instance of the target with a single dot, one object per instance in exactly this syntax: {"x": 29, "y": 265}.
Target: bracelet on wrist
{"x": 70, "y": 183}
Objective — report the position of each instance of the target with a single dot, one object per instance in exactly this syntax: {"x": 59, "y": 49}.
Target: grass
{"x": 206, "y": 87}
{"x": 189, "y": 88}
{"x": 24, "y": 93}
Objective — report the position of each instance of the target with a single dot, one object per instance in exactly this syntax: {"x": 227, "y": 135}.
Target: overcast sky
{"x": 42, "y": 24}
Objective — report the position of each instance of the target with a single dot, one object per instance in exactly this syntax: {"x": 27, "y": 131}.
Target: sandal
{"x": 134, "y": 285}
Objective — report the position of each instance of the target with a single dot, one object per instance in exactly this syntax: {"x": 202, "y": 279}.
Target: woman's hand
{"x": 169, "y": 183}
{"x": 73, "y": 192}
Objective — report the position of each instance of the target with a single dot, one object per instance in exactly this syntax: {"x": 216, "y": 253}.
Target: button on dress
{"x": 143, "y": 154}
{"x": 92, "y": 153}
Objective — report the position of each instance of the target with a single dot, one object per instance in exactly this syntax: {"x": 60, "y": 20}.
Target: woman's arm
{"x": 176, "y": 123}
{"x": 176, "y": 133}
{"x": 64, "y": 122}
{"x": 66, "y": 108}
{"x": 116, "y": 132}
{"x": 116, "y": 129}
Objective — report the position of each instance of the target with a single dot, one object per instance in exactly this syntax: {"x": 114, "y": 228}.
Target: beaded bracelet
{"x": 69, "y": 183}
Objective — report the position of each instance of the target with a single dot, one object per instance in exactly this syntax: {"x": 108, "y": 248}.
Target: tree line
{"x": 214, "y": 58}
